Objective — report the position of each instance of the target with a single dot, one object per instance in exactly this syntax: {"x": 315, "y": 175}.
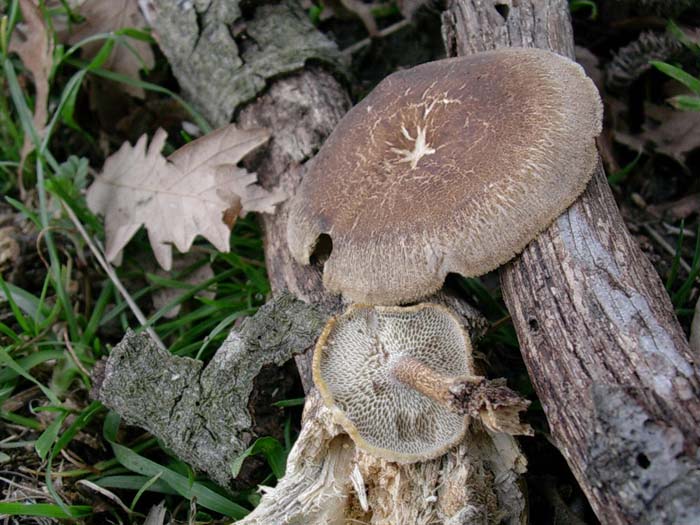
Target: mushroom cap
{"x": 352, "y": 367}
{"x": 452, "y": 166}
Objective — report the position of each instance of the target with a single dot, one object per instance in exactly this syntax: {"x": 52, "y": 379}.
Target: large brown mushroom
{"x": 452, "y": 166}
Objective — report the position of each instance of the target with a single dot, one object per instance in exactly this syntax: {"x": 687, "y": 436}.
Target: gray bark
{"x": 223, "y": 60}
{"x": 202, "y": 413}
{"x": 614, "y": 372}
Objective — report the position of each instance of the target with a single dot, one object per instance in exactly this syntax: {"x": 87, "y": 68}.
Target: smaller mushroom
{"x": 401, "y": 381}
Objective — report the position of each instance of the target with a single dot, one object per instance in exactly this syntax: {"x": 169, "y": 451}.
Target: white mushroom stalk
{"x": 401, "y": 381}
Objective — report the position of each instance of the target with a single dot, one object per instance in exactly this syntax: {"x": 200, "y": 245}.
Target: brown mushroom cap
{"x": 452, "y": 166}
{"x": 354, "y": 369}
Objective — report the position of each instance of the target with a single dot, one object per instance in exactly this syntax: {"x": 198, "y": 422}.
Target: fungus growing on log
{"x": 452, "y": 166}
{"x": 401, "y": 381}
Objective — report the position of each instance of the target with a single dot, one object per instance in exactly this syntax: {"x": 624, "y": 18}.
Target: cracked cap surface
{"x": 352, "y": 367}
{"x": 452, "y": 166}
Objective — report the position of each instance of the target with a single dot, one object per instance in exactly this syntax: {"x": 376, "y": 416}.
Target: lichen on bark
{"x": 201, "y": 412}
{"x": 214, "y": 43}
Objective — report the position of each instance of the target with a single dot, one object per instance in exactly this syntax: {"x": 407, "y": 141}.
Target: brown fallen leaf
{"x": 9, "y": 248}
{"x": 103, "y": 17}
{"x": 677, "y": 134}
{"x": 182, "y": 196}
{"x": 666, "y": 130}
{"x": 33, "y": 42}
{"x": 678, "y": 209}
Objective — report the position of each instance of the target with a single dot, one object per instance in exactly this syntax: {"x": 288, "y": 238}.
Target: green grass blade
{"x": 685, "y": 102}
{"x": 620, "y": 175}
{"x": 47, "y": 438}
{"x": 205, "y": 496}
{"x": 97, "y": 313}
{"x": 678, "y": 33}
{"x": 16, "y": 310}
{"x": 28, "y": 303}
{"x": 78, "y": 424}
{"x": 269, "y": 447}
{"x": 24, "y": 210}
{"x": 224, "y": 324}
{"x": 682, "y": 295}
{"x": 46, "y": 510}
{"x": 676, "y": 262}
{"x": 13, "y": 365}
{"x": 191, "y": 292}
{"x": 199, "y": 120}
{"x": 20, "y": 420}
{"x": 678, "y": 74}
{"x": 29, "y": 362}
{"x": 143, "y": 489}
{"x": 135, "y": 483}
{"x": 9, "y": 332}
{"x": 284, "y": 403}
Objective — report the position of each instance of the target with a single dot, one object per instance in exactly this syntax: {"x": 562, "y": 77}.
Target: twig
{"x": 37, "y": 244}
{"x": 675, "y": 230}
{"x": 351, "y": 50}
{"x": 106, "y": 493}
{"x": 73, "y": 354}
{"x": 72, "y": 458}
{"x": 666, "y": 246}
{"x": 113, "y": 276}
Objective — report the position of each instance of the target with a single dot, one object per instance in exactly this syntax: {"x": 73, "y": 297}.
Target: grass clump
{"x": 64, "y": 456}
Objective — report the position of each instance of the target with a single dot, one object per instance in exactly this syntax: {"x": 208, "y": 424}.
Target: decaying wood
{"x": 597, "y": 331}
{"x": 330, "y": 482}
{"x": 478, "y": 482}
{"x": 200, "y": 412}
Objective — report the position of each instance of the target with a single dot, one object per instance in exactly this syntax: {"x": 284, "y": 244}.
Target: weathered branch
{"x": 201, "y": 413}
{"x": 597, "y": 331}
{"x": 222, "y": 59}
{"x": 477, "y": 482}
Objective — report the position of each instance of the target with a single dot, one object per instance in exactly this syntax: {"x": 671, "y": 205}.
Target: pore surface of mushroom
{"x": 381, "y": 368}
{"x": 452, "y": 166}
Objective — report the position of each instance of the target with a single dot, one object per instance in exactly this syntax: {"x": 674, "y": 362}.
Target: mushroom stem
{"x": 491, "y": 401}
{"x": 424, "y": 379}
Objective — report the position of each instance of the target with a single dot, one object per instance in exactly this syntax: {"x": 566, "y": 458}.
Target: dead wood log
{"x": 608, "y": 359}
{"x": 477, "y": 482}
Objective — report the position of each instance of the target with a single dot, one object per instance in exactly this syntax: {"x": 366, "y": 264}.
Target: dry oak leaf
{"x": 105, "y": 16}
{"x": 182, "y": 196}
{"x": 32, "y": 41}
